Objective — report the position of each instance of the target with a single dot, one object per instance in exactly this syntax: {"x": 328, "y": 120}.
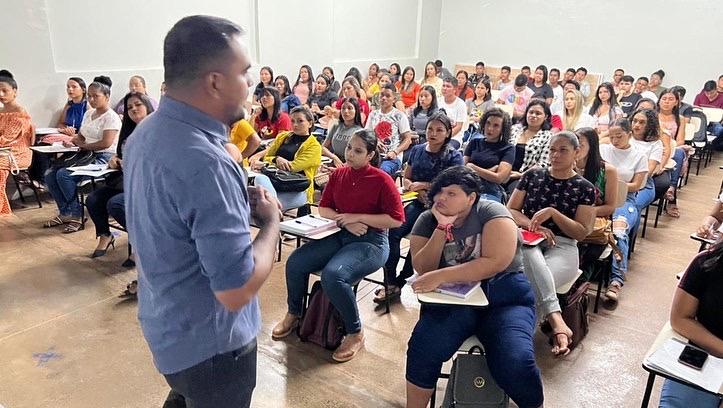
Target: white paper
{"x": 308, "y": 224}
{"x": 665, "y": 359}
{"x": 46, "y": 131}
{"x": 54, "y": 149}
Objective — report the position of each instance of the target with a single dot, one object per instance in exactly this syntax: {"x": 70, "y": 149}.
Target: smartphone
{"x": 693, "y": 357}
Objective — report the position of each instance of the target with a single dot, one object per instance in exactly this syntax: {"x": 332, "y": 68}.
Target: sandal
{"x": 131, "y": 291}
{"x": 74, "y": 225}
{"x": 670, "y": 194}
{"x": 382, "y": 296}
{"x": 53, "y": 222}
{"x": 672, "y": 210}
{"x": 557, "y": 349}
{"x": 346, "y": 352}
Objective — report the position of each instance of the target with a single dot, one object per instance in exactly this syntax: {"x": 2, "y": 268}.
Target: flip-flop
{"x": 394, "y": 292}
{"x": 556, "y": 344}
{"x": 673, "y": 211}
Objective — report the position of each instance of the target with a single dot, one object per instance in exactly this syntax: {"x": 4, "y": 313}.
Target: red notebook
{"x": 531, "y": 238}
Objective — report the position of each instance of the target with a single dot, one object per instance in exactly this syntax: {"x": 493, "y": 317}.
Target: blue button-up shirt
{"x": 188, "y": 220}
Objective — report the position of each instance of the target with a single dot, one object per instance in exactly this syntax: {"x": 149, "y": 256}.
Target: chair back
{"x": 712, "y": 114}
{"x": 508, "y": 109}
{"x": 622, "y": 194}
{"x": 691, "y": 127}
{"x": 700, "y": 134}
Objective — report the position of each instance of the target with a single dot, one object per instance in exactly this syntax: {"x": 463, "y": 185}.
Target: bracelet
{"x": 447, "y": 231}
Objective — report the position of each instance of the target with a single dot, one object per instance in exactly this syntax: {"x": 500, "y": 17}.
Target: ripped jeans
{"x": 625, "y": 220}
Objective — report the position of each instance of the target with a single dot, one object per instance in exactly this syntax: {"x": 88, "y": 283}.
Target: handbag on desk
{"x": 286, "y": 181}
{"x": 70, "y": 159}
{"x": 471, "y": 384}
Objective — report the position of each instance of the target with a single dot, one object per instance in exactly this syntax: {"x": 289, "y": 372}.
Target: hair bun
{"x": 5, "y": 73}
{"x": 102, "y": 79}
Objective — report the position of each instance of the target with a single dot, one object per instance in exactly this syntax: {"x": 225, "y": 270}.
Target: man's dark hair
{"x": 438, "y": 63}
{"x": 644, "y": 79}
{"x": 709, "y": 86}
{"x": 193, "y": 44}
{"x": 571, "y": 70}
{"x": 555, "y": 70}
{"x": 479, "y": 64}
{"x": 462, "y": 176}
{"x": 583, "y": 69}
{"x": 451, "y": 80}
{"x": 574, "y": 83}
{"x": 627, "y": 78}
{"x": 521, "y": 80}
{"x": 506, "y": 68}
{"x": 526, "y": 67}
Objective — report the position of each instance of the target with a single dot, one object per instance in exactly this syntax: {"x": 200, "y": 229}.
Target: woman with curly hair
{"x": 646, "y": 138}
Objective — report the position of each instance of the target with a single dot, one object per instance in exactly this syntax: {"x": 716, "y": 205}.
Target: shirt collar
{"x": 194, "y": 117}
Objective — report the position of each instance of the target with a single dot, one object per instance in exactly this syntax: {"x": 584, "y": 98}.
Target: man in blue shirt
{"x": 188, "y": 213}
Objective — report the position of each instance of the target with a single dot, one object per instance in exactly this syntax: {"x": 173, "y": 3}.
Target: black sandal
{"x": 131, "y": 291}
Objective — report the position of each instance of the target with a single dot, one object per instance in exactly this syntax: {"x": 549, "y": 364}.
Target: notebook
{"x": 308, "y": 225}
{"x": 460, "y": 290}
{"x": 531, "y": 238}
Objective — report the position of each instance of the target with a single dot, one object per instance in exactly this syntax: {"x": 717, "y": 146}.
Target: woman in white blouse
{"x": 98, "y": 134}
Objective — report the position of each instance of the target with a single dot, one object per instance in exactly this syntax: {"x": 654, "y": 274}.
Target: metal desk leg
{"x": 648, "y": 390}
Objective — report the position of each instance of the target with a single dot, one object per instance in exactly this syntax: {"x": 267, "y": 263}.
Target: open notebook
{"x": 665, "y": 360}
{"x": 308, "y": 225}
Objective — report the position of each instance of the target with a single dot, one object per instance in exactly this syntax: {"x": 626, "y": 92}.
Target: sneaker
{"x": 613, "y": 291}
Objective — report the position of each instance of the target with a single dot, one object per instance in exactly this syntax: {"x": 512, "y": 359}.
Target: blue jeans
{"x": 677, "y": 395}
{"x": 716, "y": 129}
{"x": 391, "y": 167}
{"x": 679, "y": 158}
{"x": 645, "y": 195}
{"x": 63, "y": 187}
{"x": 103, "y": 202}
{"x": 343, "y": 259}
{"x": 505, "y": 328}
{"x": 630, "y": 214}
{"x": 288, "y": 200}
{"x": 411, "y": 212}
{"x": 224, "y": 380}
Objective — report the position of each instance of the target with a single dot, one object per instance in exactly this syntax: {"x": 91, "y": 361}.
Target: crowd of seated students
{"x": 556, "y": 159}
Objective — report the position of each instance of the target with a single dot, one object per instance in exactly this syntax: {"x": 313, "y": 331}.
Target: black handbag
{"x": 471, "y": 384}
{"x": 286, "y": 181}
{"x": 70, "y": 159}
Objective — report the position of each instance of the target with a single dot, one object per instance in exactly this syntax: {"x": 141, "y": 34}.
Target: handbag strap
{"x": 14, "y": 168}
{"x": 476, "y": 348}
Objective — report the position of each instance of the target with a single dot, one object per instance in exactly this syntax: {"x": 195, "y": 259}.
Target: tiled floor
{"x": 66, "y": 340}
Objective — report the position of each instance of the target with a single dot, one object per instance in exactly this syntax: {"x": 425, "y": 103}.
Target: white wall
{"x": 50, "y": 40}
{"x": 641, "y": 36}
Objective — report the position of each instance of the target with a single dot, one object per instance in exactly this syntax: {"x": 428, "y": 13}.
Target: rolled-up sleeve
{"x": 216, "y": 212}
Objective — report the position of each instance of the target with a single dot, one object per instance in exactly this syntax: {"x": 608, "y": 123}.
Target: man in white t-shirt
{"x": 557, "y": 91}
{"x": 455, "y": 109}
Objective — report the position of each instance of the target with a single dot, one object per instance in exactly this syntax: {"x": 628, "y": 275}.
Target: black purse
{"x": 70, "y": 159}
{"x": 286, "y": 181}
{"x": 471, "y": 384}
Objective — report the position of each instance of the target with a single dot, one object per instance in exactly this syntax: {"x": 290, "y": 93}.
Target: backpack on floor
{"x": 471, "y": 385}
{"x": 321, "y": 323}
{"x": 574, "y": 312}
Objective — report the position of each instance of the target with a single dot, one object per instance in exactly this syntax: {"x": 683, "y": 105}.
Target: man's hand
{"x": 264, "y": 207}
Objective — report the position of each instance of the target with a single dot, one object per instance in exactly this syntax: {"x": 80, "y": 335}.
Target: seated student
{"x": 108, "y": 200}
{"x": 431, "y": 78}
{"x": 392, "y": 128}
{"x": 454, "y": 108}
{"x": 479, "y": 75}
{"x": 696, "y": 315}
{"x": 531, "y": 138}
{"x": 322, "y": 96}
{"x": 304, "y": 85}
{"x": 371, "y": 79}
{"x": 580, "y": 75}
{"x": 641, "y": 88}
{"x": 574, "y": 116}
{"x": 481, "y": 103}
{"x": 647, "y": 139}
{"x": 335, "y": 85}
{"x": 385, "y": 79}
{"x": 266, "y": 78}
{"x": 365, "y": 203}
{"x": 463, "y": 90}
{"x": 569, "y": 76}
{"x": 656, "y": 78}
{"x": 558, "y": 92}
{"x": 627, "y": 98}
{"x": 269, "y": 119}
{"x": 711, "y": 222}
{"x": 504, "y": 79}
{"x": 395, "y": 71}
{"x": 426, "y": 107}
{"x": 709, "y": 97}
{"x": 349, "y": 89}
{"x": 74, "y": 109}
{"x": 338, "y": 137}
{"x": 557, "y": 203}
{"x": 16, "y": 133}
{"x": 672, "y": 123}
{"x": 617, "y": 77}
{"x": 136, "y": 84}
{"x": 518, "y": 96}
{"x": 605, "y": 108}
{"x": 296, "y": 151}
{"x": 463, "y": 238}
{"x": 604, "y": 177}
{"x": 632, "y": 166}
{"x": 539, "y": 86}
{"x": 425, "y": 162}
{"x": 288, "y": 100}
{"x": 442, "y": 71}
{"x": 408, "y": 89}
{"x": 684, "y": 108}
{"x": 492, "y": 156}
{"x": 245, "y": 141}
{"x": 99, "y": 134}
{"x": 527, "y": 72}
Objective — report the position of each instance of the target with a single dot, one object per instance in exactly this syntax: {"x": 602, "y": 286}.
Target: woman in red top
{"x": 408, "y": 88}
{"x": 269, "y": 120}
{"x": 349, "y": 89}
{"x": 463, "y": 91}
{"x": 365, "y": 203}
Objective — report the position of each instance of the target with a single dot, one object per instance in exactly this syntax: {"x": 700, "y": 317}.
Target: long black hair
{"x": 543, "y": 68}
{"x": 357, "y": 110}
{"x": 597, "y": 102}
{"x": 287, "y": 87}
{"x": 594, "y": 162}
{"x": 371, "y": 142}
{"x": 676, "y": 107}
{"x": 310, "y": 82}
{"x": 7, "y": 77}
{"x": 354, "y": 72}
{"x": 81, "y": 84}
{"x": 260, "y": 86}
{"x": 128, "y": 125}
{"x": 651, "y": 132}
{"x": 432, "y": 107}
{"x": 546, "y": 124}
{"x": 407, "y": 86}
{"x": 274, "y": 93}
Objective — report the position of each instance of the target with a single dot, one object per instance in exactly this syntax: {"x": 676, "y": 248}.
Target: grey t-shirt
{"x": 340, "y": 135}
{"x": 466, "y": 245}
